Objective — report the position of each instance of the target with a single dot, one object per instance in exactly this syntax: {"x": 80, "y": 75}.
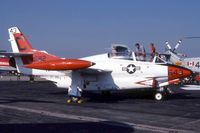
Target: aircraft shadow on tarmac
{"x": 88, "y": 96}
{"x": 16, "y": 100}
{"x": 109, "y": 97}
{"x": 182, "y": 96}
{"x": 79, "y": 127}
{"x": 116, "y": 97}
{"x": 131, "y": 95}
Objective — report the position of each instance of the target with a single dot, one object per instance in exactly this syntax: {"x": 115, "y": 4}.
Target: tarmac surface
{"x": 41, "y": 107}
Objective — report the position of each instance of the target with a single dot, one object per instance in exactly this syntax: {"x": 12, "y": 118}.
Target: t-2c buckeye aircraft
{"x": 103, "y": 72}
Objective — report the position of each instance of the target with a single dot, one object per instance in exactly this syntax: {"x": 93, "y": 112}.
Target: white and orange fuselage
{"x": 130, "y": 74}
{"x": 99, "y": 72}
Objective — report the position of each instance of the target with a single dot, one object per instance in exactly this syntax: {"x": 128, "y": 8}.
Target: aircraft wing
{"x": 11, "y": 54}
{"x": 94, "y": 71}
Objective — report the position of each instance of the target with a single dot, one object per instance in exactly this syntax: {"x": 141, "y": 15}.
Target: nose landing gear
{"x": 162, "y": 93}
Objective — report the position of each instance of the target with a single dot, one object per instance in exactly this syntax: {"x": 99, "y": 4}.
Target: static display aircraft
{"x": 181, "y": 60}
{"x": 103, "y": 72}
{"x": 6, "y": 63}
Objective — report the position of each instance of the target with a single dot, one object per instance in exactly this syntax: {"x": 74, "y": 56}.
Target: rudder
{"x": 19, "y": 42}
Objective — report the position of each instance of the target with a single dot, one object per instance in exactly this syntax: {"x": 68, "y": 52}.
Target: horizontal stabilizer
{"x": 6, "y": 68}
{"x": 11, "y": 54}
{"x": 94, "y": 71}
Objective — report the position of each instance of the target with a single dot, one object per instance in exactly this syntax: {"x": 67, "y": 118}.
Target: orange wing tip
{"x": 61, "y": 64}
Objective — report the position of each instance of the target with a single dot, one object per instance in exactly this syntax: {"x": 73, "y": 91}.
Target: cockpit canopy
{"x": 119, "y": 51}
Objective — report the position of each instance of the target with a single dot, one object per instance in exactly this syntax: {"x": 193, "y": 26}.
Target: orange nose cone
{"x": 61, "y": 64}
{"x": 186, "y": 72}
{"x": 175, "y": 72}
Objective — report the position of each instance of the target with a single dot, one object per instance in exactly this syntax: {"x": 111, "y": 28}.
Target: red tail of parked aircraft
{"x": 41, "y": 59}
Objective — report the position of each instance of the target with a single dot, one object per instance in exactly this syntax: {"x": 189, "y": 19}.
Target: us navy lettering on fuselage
{"x": 131, "y": 68}
{"x": 39, "y": 58}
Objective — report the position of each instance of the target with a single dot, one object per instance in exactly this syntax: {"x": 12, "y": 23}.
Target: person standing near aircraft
{"x": 152, "y": 51}
{"x": 114, "y": 51}
{"x": 140, "y": 52}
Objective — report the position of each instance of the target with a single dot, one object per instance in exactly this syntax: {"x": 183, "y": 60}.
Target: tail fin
{"x": 20, "y": 44}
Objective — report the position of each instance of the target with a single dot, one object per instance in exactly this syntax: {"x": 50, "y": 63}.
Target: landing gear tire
{"x": 80, "y": 101}
{"x": 159, "y": 96}
{"x": 69, "y": 100}
{"x": 106, "y": 94}
{"x": 73, "y": 99}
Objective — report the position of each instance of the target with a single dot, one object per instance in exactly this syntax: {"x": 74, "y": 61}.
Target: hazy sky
{"x": 76, "y": 28}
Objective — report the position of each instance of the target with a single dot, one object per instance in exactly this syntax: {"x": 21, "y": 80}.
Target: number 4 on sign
{"x": 197, "y": 65}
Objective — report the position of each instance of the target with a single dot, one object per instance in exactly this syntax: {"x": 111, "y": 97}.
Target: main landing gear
{"x": 75, "y": 90}
{"x": 74, "y": 95}
{"x": 162, "y": 93}
{"x": 73, "y": 99}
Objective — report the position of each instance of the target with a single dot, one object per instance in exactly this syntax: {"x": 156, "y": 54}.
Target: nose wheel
{"x": 162, "y": 93}
{"x": 159, "y": 96}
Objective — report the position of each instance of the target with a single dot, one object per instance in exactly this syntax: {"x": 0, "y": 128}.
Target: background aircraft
{"x": 104, "y": 72}
{"x": 7, "y": 65}
{"x": 181, "y": 60}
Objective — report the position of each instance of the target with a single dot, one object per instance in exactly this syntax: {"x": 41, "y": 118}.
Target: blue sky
{"x": 77, "y": 28}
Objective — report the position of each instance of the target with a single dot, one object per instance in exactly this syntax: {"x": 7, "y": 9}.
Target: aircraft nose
{"x": 175, "y": 72}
